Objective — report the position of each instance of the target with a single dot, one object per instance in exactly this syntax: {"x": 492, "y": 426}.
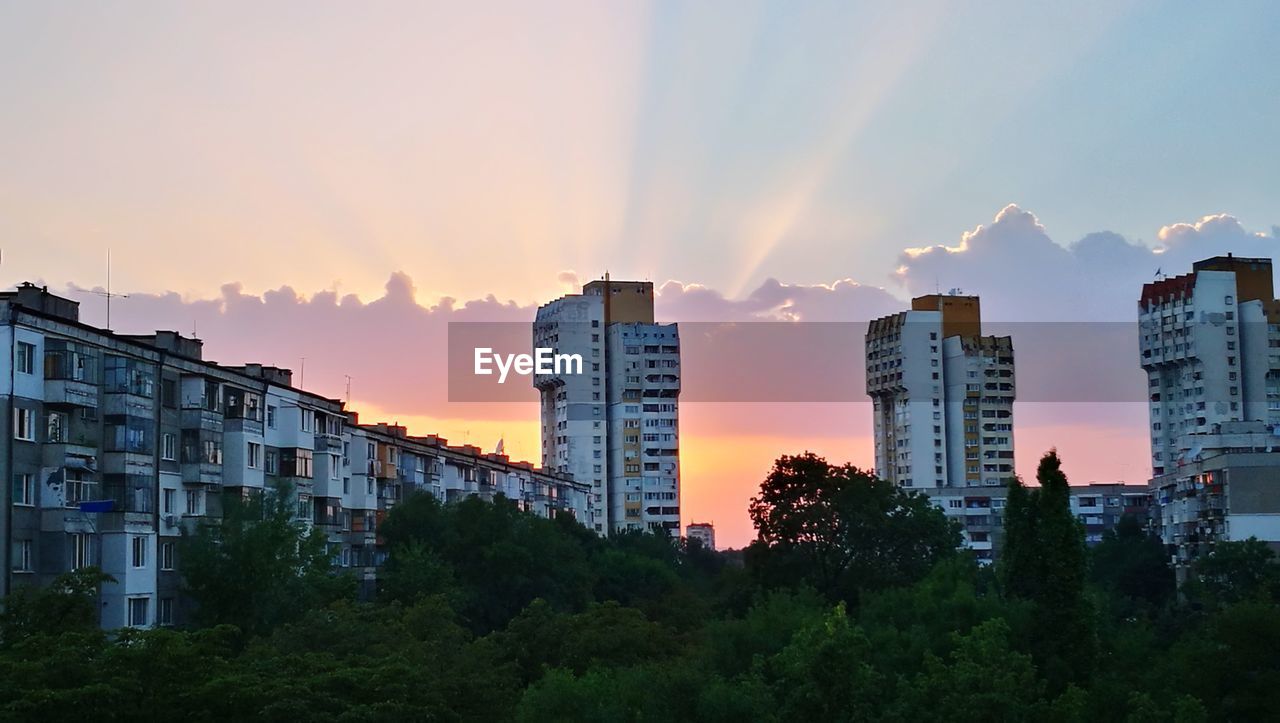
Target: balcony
{"x": 70, "y": 393}
{"x": 207, "y": 473}
{"x": 200, "y": 418}
{"x": 243, "y": 426}
{"x": 70, "y": 455}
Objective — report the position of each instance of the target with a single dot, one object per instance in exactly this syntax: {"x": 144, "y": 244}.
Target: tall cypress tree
{"x": 1043, "y": 562}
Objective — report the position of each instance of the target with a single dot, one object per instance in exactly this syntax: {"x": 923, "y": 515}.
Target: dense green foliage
{"x": 852, "y": 605}
{"x": 257, "y": 566}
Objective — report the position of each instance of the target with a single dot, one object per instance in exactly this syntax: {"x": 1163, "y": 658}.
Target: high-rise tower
{"x": 942, "y": 394}
{"x": 615, "y": 425}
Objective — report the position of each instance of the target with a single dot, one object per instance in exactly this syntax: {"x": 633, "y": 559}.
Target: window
{"x": 164, "y": 614}
{"x": 80, "y": 552}
{"x": 169, "y": 393}
{"x": 55, "y": 427}
{"x": 25, "y": 358}
{"x": 167, "y": 501}
{"x": 139, "y": 551}
{"x": 201, "y": 447}
{"x": 24, "y": 489}
{"x": 271, "y": 416}
{"x": 269, "y": 462}
{"x": 166, "y": 556}
{"x": 193, "y": 502}
{"x": 254, "y": 455}
{"x": 22, "y": 556}
{"x": 335, "y": 470}
{"x": 129, "y": 434}
{"x": 24, "y": 424}
{"x": 169, "y": 446}
{"x": 138, "y": 611}
{"x": 306, "y": 420}
{"x": 78, "y": 490}
{"x": 128, "y": 376}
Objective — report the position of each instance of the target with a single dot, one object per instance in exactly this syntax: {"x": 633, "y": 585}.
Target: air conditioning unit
{"x": 171, "y": 520}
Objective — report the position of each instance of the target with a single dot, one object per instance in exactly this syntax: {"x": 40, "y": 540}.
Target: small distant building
{"x": 705, "y": 532}
{"x": 1099, "y": 507}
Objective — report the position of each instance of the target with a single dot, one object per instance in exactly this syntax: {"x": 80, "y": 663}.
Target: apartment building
{"x": 1209, "y": 341}
{"x": 703, "y": 532}
{"x": 615, "y": 425}
{"x": 1228, "y": 490}
{"x": 1099, "y": 506}
{"x": 1210, "y": 344}
{"x": 115, "y": 444}
{"x": 942, "y": 396}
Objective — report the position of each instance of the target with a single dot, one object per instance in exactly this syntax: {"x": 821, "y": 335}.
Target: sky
{"x": 293, "y": 179}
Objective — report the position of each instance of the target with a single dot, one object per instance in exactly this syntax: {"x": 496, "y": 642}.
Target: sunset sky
{"x": 340, "y": 181}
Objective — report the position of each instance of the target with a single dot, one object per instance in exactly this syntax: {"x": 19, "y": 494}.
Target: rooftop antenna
{"x": 302, "y": 373}
{"x": 107, "y": 294}
{"x": 348, "y": 376}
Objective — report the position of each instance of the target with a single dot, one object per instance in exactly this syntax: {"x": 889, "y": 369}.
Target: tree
{"x": 1132, "y": 566}
{"x": 258, "y": 566}
{"x": 843, "y": 530}
{"x": 69, "y": 603}
{"x": 984, "y": 679}
{"x": 500, "y": 557}
{"x": 1043, "y": 562}
{"x": 825, "y": 674}
{"x": 1233, "y": 572}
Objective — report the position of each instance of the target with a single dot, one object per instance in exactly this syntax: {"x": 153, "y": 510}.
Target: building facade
{"x": 616, "y": 424}
{"x": 1228, "y": 491}
{"x": 1209, "y": 341}
{"x": 703, "y": 532}
{"x": 1098, "y": 506}
{"x": 115, "y": 444}
{"x": 942, "y": 396}
{"x": 942, "y": 399}
{"x": 1210, "y": 345}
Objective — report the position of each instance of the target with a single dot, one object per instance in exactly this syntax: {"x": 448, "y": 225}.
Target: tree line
{"x": 853, "y": 603}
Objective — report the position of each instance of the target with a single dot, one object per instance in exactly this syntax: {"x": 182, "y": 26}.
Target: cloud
{"x": 843, "y": 300}
{"x": 1022, "y": 274}
{"x": 394, "y": 346}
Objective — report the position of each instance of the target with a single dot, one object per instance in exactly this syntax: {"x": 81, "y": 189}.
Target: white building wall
{"x": 573, "y": 405}
{"x": 130, "y": 581}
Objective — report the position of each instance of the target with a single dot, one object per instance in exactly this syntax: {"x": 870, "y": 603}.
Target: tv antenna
{"x": 107, "y": 294}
